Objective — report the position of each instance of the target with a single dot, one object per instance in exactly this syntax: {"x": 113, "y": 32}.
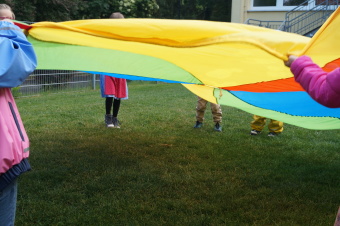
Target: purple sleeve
{"x": 321, "y": 86}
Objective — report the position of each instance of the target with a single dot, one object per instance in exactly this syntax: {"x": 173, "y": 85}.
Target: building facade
{"x": 273, "y": 10}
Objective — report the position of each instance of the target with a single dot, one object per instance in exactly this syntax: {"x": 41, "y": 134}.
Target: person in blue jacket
{"x": 18, "y": 61}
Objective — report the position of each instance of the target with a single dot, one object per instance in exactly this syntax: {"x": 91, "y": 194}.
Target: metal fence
{"x": 53, "y": 81}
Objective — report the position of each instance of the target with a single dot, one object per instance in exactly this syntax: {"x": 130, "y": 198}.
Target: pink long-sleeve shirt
{"x": 321, "y": 86}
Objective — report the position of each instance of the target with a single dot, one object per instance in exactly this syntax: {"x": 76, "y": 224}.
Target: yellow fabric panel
{"x": 204, "y": 92}
{"x": 218, "y": 54}
{"x": 184, "y": 33}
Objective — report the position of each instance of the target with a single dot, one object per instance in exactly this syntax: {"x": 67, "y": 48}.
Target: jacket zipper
{"x": 16, "y": 121}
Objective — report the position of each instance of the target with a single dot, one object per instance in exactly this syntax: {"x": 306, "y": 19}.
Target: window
{"x": 286, "y": 5}
{"x": 294, "y": 2}
{"x": 331, "y": 2}
{"x": 264, "y": 3}
{"x": 278, "y": 5}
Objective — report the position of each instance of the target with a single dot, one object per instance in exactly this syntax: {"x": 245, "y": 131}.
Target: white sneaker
{"x": 115, "y": 122}
{"x": 254, "y": 132}
{"x": 108, "y": 121}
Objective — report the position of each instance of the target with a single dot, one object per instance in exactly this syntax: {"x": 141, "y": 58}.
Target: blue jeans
{"x": 8, "y": 202}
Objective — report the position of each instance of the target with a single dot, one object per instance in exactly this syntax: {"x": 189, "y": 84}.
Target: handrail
{"x": 302, "y": 19}
{"x": 273, "y": 24}
{"x": 308, "y": 16}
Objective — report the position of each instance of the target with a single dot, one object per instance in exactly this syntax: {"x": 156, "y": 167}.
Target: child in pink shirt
{"x": 322, "y": 86}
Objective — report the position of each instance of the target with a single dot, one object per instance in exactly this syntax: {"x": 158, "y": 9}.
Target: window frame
{"x": 279, "y": 6}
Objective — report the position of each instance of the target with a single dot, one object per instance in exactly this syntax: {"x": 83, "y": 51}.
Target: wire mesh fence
{"x": 53, "y": 81}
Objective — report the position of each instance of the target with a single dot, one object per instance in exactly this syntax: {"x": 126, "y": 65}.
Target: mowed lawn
{"x": 158, "y": 170}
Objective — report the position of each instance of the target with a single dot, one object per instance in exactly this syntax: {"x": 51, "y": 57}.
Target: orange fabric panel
{"x": 281, "y": 85}
{"x": 332, "y": 65}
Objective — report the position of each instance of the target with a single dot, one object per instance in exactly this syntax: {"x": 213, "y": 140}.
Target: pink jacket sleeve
{"x": 321, "y": 86}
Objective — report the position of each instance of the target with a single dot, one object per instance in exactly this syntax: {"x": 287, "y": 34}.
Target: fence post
{"x": 94, "y": 81}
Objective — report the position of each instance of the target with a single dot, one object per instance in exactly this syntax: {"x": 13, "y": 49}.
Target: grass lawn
{"x": 158, "y": 170}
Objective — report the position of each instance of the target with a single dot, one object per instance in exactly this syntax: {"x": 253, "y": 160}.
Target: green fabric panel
{"x": 316, "y": 123}
{"x": 72, "y": 57}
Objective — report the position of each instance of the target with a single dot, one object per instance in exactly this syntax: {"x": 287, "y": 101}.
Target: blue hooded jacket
{"x": 17, "y": 62}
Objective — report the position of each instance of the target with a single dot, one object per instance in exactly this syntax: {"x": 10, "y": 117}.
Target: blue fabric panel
{"x": 292, "y": 103}
{"x": 132, "y": 77}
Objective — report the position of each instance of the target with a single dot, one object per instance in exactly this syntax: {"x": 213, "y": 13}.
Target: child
{"x": 275, "y": 127}
{"x": 321, "y": 86}
{"x": 6, "y": 12}
{"x": 215, "y": 111}
{"x": 14, "y": 144}
{"x": 114, "y": 90}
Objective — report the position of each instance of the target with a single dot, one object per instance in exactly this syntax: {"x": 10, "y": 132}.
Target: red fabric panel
{"x": 23, "y": 26}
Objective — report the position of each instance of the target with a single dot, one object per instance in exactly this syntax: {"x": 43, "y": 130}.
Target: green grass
{"x": 158, "y": 170}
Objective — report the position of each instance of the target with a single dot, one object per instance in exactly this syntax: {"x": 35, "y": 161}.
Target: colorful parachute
{"x": 231, "y": 64}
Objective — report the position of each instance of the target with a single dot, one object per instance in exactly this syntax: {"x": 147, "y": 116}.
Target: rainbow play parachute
{"x": 231, "y": 64}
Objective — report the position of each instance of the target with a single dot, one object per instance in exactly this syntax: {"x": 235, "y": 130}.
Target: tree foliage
{"x": 218, "y": 10}
{"x": 63, "y": 10}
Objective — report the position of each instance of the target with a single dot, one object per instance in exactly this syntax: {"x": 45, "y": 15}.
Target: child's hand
{"x": 290, "y": 60}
